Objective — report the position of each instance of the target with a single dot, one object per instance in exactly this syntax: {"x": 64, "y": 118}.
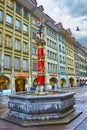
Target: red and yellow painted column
{"x": 41, "y": 55}
{"x": 41, "y": 63}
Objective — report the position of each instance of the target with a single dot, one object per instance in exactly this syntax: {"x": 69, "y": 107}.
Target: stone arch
{"x": 35, "y": 82}
{"x": 53, "y": 81}
{"x": 62, "y": 82}
{"x": 20, "y": 83}
{"x": 71, "y": 81}
{"x": 4, "y": 82}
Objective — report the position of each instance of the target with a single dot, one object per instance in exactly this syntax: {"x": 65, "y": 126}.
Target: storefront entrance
{"x": 4, "y": 82}
{"x": 71, "y": 82}
{"x": 20, "y": 84}
{"x": 53, "y": 82}
{"x": 62, "y": 82}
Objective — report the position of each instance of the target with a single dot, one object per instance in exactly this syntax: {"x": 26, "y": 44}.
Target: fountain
{"x": 29, "y": 109}
{"x": 42, "y": 107}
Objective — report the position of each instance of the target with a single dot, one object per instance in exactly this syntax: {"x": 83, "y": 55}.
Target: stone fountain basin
{"x": 33, "y": 104}
{"x": 28, "y": 107}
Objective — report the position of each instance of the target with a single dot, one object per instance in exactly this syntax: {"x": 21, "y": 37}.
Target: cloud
{"x": 76, "y": 8}
{"x": 71, "y": 13}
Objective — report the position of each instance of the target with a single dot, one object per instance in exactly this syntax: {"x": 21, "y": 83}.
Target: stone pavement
{"x": 80, "y": 123}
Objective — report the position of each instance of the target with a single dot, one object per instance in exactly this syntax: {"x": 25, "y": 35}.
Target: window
{"x": 17, "y": 63}
{"x": 60, "y": 58}
{"x": 25, "y": 64}
{"x": 8, "y": 19}
{"x": 10, "y": 3}
{"x": 34, "y": 50}
{"x": 62, "y": 69}
{"x": 60, "y": 48}
{"x": 63, "y": 49}
{"x": 18, "y": 24}
{"x": 0, "y": 38}
{"x": 33, "y": 35}
{"x": 63, "y": 59}
{"x": 25, "y": 28}
{"x": 0, "y": 60}
{"x": 34, "y": 65}
{"x": 34, "y": 21}
{"x": 2, "y": 0}
{"x": 25, "y": 13}
{"x": 56, "y": 69}
{"x": 17, "y": 44}
{"x": 18, "y": 8}
{"x": 48, "y": 53}
{"x": 0, "y": 15}
{"x": 7, "y": 61}
{"x": 25, "y": 47}
{"x": 8, "y": 42}
{"x": 49, "y": 67}
{"x": 47, "y": 41}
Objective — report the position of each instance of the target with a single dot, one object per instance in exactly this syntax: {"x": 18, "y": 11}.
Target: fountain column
{"x": 41, "y": 55}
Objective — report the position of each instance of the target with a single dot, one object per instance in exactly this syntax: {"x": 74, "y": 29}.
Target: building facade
{"x": 82, "y": 63}
{"x": 76, "y": 63}
{"x": 15, "y": 24}
{"x": 51, "y": 54}
{"x": 18, "y": 48}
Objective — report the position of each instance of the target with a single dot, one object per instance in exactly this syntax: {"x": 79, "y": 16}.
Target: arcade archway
{"x": 35, "y": 82}
{"x": 63, "y": 82}
{"x": 71, "y": 81}
{"x": 4, "y": 82}
{"x": 20, "y": 84}
{"x": 53, "y": 81}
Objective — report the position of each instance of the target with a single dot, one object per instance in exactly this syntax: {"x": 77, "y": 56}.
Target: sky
{"x": 71, "y": 13}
